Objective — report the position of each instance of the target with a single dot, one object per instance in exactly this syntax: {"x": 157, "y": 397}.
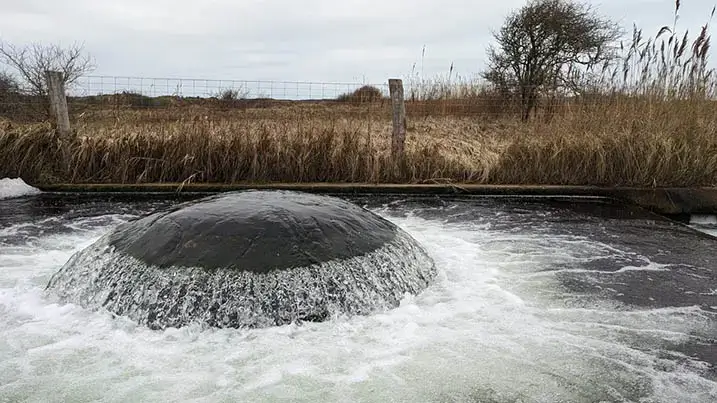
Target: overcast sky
{"x": 311, "y": 40}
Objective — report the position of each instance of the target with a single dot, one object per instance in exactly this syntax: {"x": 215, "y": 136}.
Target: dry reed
{"x": 626, "y": 143}
{"x": 650, "y": 120}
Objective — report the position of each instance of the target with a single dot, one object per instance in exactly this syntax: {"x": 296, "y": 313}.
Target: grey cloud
{"x": 318, "y": 40}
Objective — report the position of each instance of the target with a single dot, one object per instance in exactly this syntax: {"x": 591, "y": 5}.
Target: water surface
{"x": 536, "y": 301}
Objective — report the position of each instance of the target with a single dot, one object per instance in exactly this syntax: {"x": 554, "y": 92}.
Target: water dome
{"x": 247, "y": 259}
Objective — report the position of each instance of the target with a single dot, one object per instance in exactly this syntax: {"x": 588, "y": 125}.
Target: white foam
{"x": 11, "y": 188}
{"x": 703, "y": 219}
{"x": 706, "y": 223}
{"x": 482, "y": 332}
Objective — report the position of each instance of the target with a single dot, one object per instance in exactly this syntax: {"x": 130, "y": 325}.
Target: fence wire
{"x": 208, "y": 88}
{"x": 117, "y": 92}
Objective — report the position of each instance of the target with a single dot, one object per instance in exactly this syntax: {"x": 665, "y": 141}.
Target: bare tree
{"x": 547, "y": 45}
{"x": 33, "y": 60}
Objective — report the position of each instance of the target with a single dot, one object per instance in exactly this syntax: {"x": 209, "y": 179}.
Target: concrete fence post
{"x": 398, "y": 107}
{"x": 58, "y": 101}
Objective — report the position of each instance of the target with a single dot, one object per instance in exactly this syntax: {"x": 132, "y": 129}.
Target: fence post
{"x": 398, "y": 139}
{"x": 58, "y": 101}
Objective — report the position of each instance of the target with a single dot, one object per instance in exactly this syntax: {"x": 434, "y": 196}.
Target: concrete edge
{"x": 668, "y": 201}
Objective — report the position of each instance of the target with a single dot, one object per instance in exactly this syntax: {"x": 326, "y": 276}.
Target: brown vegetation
{"x": 650, "y": 120}
{"x": 627, "y": 141}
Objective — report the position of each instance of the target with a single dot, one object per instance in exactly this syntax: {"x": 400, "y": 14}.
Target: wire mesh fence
{"x": 117, "y": 92}
{"x": 213, "y": 88}
{"x": 145, "y": 93}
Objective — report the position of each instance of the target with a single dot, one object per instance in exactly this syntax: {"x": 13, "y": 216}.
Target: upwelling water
{"x": 535, "y": 302}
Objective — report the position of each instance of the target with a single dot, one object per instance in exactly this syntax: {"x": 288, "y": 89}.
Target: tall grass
{"x": 649, "y": 119}
{"x": 282, "y": 144}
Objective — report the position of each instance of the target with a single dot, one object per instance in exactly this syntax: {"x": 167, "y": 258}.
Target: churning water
{"x": 572, "y": 301}
{"x": 705, "y": 223}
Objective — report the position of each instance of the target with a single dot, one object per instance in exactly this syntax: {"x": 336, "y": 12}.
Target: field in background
{"x": 650, "y": 119}
{"x": 616, "y": 141}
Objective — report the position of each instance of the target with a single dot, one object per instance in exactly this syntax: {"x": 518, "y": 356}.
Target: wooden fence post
{"x": 398, "y": 107}
{"x": 58, "y": 101}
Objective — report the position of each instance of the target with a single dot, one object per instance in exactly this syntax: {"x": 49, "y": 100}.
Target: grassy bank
{"x": 648, "y": 119}
{"x": 619, "y": 141}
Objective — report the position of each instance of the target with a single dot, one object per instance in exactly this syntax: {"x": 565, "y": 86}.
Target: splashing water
{"x": 532, "y": 303}
{"x": 705, "y": 223}
{"x": 99, "y": 276}
{"x": 10, "y": 188}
